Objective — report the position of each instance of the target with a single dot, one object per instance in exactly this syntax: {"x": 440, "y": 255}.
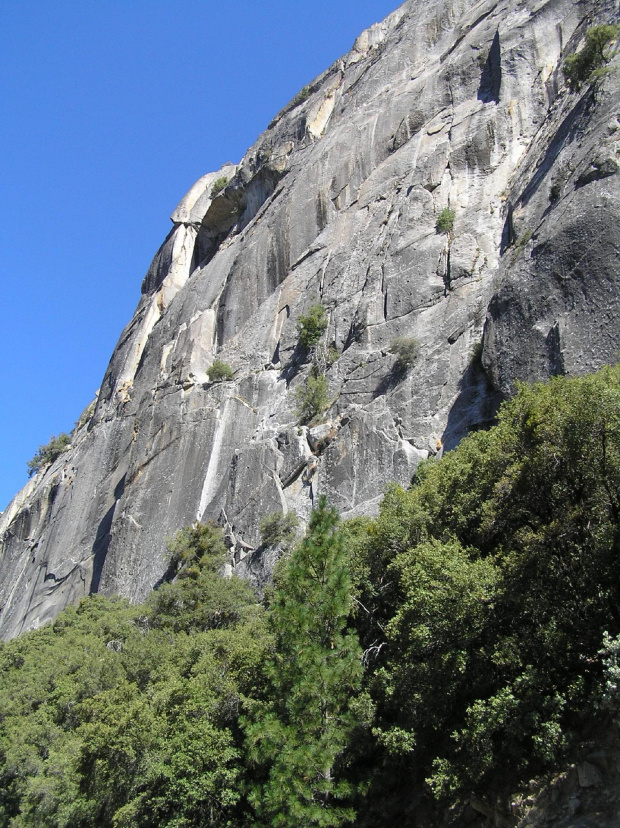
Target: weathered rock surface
{"x": 448, "y": 104}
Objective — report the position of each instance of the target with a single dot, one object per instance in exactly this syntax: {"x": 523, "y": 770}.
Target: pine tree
{"x": 297, "y": 738}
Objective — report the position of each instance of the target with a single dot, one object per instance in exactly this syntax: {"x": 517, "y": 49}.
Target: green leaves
{"x": 121, "y": 716}
{"x": 445, "y": 221}
{"x": 311, "y": 398}
{"x": 450, "y": 647}
{"x": 48, "y": 453}
{"x": 220, "y": 371}
{"x": 588, "y": 65}
{"x": 502, "y": 574}
{"x": 297, "y": 739}
{"x": 312, "y": 325}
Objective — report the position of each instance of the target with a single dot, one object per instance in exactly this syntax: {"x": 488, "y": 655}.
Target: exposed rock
{"x": 453, "y": 103}
{"x": 589, "y": 776}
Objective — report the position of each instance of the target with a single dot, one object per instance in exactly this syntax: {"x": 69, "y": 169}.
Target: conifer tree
{"x": 297, "y": 738}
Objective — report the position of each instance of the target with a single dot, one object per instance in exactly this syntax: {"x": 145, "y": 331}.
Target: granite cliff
{"x": 451, "y": 105}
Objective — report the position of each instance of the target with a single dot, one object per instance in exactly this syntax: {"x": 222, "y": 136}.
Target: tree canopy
{"x": 460, "y": 644}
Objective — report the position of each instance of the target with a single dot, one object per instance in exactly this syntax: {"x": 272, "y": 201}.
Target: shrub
{"x": 445, "y": 221}
{"x": 311, "y": 398}
{"x": 520, "y": 243}
{"x": 588, "y": 64}
{"x": 301, "y": 96}
{"x": 406, "y": 350}
{"x": 278, "y": 528}
{"x": 323, "y": 358}
{"x": 48, "y": 453}
{"x": 312, "y": 325}
{"x": 218, "y": 185}
{"x": 220, "y": 371}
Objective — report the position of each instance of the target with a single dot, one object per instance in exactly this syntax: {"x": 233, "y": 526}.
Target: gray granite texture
{"x": 447, "y": 104}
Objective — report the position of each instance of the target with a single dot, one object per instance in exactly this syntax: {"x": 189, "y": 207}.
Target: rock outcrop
{"x": 448, "y": 105}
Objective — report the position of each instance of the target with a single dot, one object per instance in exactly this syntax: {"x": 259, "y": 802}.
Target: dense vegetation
{"x": 47, "y": 453}
{"x": 220, "y": 371}
{"x": 588, "y": 65}
{"x": 219, "y": 185}
{"x": 445, "y": 221}
{"x": 406, "y": 350}
{"x": 311, "y": 397}
{"x": 312, "y": 325}
{"x": 458, "y": 645}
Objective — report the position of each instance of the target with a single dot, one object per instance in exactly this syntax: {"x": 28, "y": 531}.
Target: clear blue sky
{"x": 111, "y": 109}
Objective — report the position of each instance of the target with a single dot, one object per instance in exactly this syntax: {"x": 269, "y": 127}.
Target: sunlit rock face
{"x": 446, "y": 105}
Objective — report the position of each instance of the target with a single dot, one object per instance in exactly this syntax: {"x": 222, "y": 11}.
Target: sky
{"x": 110, "y": 110}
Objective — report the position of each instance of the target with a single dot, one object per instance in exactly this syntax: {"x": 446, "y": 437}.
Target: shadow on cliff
{"x": 491, "y": 78}
{"x": 101, "y": 544}
{"x": 390, "y": 381}
{"x": 565, "y": 133}
{"x": 475, "y": 408}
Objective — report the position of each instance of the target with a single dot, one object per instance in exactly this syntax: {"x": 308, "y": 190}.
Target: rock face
{"x": 451, "y": 104}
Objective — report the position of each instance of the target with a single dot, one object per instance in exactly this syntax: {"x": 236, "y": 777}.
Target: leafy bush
{"x": 119, "y": 716}
{"x": 198, "y": 599}
{"x": 301, "y": 96}
{"x": 407, "y": 350}
{"x": 450, "y": 646}
{"x": 445, "y": 221}
{"x": 220, "y": 371}
{"x": 311, "y": 398}
{"x": 311, "y": 326}
{"x": 588, "y": 64}
{"x": 494, "y": 579}
{"x": 218, "y": 185}
{"x": 49, "y": 452}
{"x": 278, "y": 528}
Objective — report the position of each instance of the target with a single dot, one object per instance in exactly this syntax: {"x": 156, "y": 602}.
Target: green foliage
{"x": 220, "y": 371}
{"x": 610, "y": 690}
{"x": 445, "y": 221}
{"x": 406, "y": 350}
{"x": 198, "y": 599}
{"x": 49, "y": 452}
{"x": 278, "y": 528}
{"x": 520, "y": 243}
{"x": 502, "y": 575}
{"x": 458, "y": 645}
{"x": 588, "y": 65}
{"x": 219, "y": 185}
{"x": 119, "y": 716}
{"x": 301, "y": 96}
{"x": 311, "y": 398}
{"x": 312, "y": 325}
{"x": 297, "y": 738}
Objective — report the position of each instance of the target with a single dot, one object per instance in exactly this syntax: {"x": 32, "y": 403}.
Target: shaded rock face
{"x": 449, "y": 104}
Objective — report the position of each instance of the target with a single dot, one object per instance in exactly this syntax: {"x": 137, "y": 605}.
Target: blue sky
{"x": 111, "y": 109}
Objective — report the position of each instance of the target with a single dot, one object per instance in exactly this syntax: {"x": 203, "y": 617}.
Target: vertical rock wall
{"x": 446, "y": 105}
